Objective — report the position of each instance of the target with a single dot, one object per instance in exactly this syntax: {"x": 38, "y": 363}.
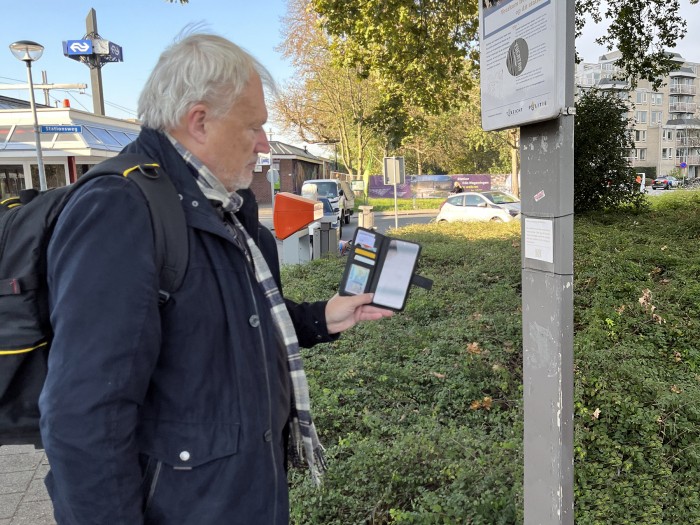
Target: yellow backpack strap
{"x": 10, "y": 202}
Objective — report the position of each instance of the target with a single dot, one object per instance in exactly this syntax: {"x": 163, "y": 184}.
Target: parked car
{"x": 338, "y": 192}
{"x": 329, "y": 215}
{"x": 494, "y": 206}
{"x": 665, "y": 183}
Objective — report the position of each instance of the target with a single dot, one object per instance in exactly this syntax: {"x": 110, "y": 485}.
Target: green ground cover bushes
{"x": 422, "y": 414}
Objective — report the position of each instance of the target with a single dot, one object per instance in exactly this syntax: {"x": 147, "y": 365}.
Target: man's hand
{"x": 343, "y": 312}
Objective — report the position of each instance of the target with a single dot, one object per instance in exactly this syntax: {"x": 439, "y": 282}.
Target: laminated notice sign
{"x": 523, "y": 51}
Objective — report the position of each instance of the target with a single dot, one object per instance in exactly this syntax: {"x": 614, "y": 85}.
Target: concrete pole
{"x": 98, "y": 103}
{"x": 547, "y": 164}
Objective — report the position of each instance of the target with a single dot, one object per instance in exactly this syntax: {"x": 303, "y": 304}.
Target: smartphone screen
{"x": 395, "y": 279}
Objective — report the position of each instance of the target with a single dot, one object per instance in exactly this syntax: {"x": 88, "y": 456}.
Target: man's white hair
{"x": 200, "y": 68}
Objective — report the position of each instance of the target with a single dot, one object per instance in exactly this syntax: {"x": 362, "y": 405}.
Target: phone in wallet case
{"x": 384, "y": 266}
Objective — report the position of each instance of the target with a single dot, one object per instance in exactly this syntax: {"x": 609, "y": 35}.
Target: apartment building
{"x": 665, "y": 121}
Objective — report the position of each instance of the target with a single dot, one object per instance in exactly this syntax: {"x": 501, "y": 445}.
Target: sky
{"x": 145, "y": 27}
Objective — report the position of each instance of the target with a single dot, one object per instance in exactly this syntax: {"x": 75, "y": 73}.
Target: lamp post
{"x": 329, "y": 142}
{"x": 28, "y": 51}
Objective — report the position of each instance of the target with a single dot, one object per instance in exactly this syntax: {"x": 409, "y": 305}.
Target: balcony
{"x": 680, "y": 89}
{"x": 688, "y": 142}
{"x": 690, "y": 160}
{"x": 684, "y": 71}
{"x": 683, "y": 107}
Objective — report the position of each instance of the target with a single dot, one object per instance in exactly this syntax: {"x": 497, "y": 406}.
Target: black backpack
{"x": 26, "y": 225}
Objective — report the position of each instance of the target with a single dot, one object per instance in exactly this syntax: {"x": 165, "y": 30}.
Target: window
{"x": 657, "y": 99}
{"x": 667, "y": 153}
{"x": 55, "y": 175}
{"x": 657, "y": 117}
{"x": 121, "y": 137}
{"x": 641, "y": 97}
{"x": 82, "y": 169}
{"x": 641, "y": 154}
{"x": 23, "y": 134}
{"x": 473, "y": 200}
{"x": 668, "y": 134}
{"x": 4, "y": 132}
{"x": 456, "y": 200}
{"x": 11, "y": 180}
{"x": 640, "y": 135}
{"x": 102, "y": 135}
{"x": 640, "y": 116}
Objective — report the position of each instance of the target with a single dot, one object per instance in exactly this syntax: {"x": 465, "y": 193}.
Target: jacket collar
{"x": 156, "y": 145}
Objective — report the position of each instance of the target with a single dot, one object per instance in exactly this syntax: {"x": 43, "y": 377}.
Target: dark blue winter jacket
{"x": 164, "y": 416}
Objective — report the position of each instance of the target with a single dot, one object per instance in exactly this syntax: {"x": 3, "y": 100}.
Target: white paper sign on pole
{"x": 539, "y": 239}
{"x": 522, "y": 60}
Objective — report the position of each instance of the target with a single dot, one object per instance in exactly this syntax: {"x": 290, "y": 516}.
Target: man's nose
{"x": 263, "y": 144}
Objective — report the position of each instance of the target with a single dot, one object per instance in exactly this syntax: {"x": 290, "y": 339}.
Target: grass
{"x": 421, "y": 414}
{"x": 401, "y": 204}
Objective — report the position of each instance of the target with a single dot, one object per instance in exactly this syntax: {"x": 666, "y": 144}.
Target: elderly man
{"x": 181, "y": 414}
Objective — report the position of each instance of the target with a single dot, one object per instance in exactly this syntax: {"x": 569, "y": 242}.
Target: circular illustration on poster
{"x": 517, "y": 57}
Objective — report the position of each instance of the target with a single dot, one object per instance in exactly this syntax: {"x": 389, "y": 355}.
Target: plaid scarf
{"x": 304, "y": 441}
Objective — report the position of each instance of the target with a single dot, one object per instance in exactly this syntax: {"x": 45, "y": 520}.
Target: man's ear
{"x": 196, "y": 120}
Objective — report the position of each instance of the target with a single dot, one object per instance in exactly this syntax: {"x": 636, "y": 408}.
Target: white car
{"x": 338, "y": 192}
{"x": 494, "y": 206}
{"x": 330, "y": 216}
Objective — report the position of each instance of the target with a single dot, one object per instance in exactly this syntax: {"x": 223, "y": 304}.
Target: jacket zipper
{"x": 275, "y": 474}
{"x": 152, "y": 488}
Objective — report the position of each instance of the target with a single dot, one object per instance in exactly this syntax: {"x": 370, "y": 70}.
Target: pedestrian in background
{"x": 181, "y": 414}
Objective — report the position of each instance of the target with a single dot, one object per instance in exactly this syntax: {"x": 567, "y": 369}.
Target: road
{"x": 382, "y": 222}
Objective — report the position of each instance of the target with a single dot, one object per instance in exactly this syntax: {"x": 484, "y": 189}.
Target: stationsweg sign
{"x": 61, "y": 129}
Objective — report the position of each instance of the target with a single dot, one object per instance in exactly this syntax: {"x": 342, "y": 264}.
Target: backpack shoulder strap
{"x": 169, "y": 226}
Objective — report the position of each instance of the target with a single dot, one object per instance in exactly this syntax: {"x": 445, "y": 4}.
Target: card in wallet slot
{"x": 384, "y": 266}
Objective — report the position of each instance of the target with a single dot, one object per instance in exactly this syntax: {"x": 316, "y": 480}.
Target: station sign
{"x": 77, "y": 47}
{"x": 95, "y": 51}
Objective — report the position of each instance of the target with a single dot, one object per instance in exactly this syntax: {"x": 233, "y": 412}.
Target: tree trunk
{"x": 515, "y": 163}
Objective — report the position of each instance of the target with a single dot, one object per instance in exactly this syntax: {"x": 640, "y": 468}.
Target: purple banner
{"x": 427, "y": 186}
{"x": 379, "y": 190}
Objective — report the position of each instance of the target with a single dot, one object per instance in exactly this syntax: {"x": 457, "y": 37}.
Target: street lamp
{"x": 28, "y": 51}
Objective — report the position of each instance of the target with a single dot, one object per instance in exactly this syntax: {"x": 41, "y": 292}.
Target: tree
{"x": 454, "y": 142}
{"x": 642, "y": 30}
{"x": 603, "y": 178}
{"x": 420, "y": 51}
{"x": 423, "y": 51}
{"x": 325, "y": 103}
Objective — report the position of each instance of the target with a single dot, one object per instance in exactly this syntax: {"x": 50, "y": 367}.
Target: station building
{"x": 72, "y": 141}
{"x": 83, "y": 140}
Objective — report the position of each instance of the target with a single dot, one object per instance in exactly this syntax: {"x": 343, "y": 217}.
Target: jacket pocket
{"x": 188, "y": 445}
